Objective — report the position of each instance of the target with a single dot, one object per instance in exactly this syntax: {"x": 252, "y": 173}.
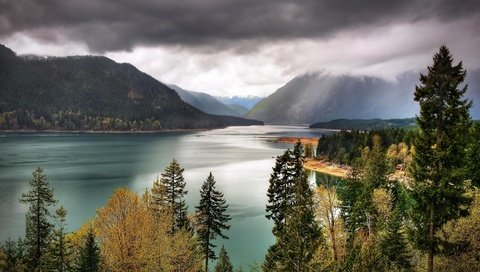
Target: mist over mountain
{"x": 208, "y": 103}
{"x": 90, "y": 92}
{"x": 245, "y": 101}
{"x": 320, "y": 97}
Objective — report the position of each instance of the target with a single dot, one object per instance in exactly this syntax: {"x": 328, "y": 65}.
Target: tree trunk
{"x": 431, "y": 235}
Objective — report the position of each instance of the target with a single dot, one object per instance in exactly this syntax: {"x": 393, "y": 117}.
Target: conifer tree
{"x": 302, "y": 234}
{"x": 169, "y": 193}
{"x": 38, "y": 226}
{"x": 13, "y": 256}
{"x": 211, "y": 218}
{"x": 393, "y": 244}
{"x": 292, "y": 209}
{"x": 89, "y": 260}
{"x": 59, "y": 256}
{"x": 438, "y": 189}
{"x": 223, "y": 264}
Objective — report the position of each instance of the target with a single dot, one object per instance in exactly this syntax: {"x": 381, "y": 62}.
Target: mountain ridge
{"x": 92, "y": 93}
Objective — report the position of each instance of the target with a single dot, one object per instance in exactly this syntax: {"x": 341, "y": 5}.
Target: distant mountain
{"x": 366, "y": 124}
{"x": 208, "y": 103}
{"x": 320, "y": 97}
{"x": 92, "y": 93}
{"x": 244, "y": 101}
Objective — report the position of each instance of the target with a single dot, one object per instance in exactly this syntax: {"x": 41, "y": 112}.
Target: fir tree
{"x": 438, "y": 189}
{"x": 169, "y": 193}
{"x": 14, "y": 256}
{"x": 223, "y": 264}
{"x": 302, "y": 234}
{"x": 38, "y": 227}
{"x": 89, "y": 260}
{"x": 59, "y": 256}
{"x": 393, "y": 244}
{"x": 292, "y": 209}
{"x": 211, "y": 218}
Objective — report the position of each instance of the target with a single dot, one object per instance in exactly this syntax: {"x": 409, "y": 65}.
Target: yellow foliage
{"x": 382, "y": 200}
{"x": 133, "y": 238}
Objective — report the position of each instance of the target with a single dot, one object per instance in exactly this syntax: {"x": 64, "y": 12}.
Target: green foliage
{"x": 366, "y": 124}
{"x": 394, "y": 244}
{"x": 92, "y": 93}
{"x": 38, "y": 227}
{"x": 223, "y": 264}
{"x": 292, "y": 209}
{"x": 89, "y": 259}
{"x": 473, "y": 155}
{"x": 169, "y": 192}
{"x": 438, "y": 189}
{"x": 13, "y": 256}
{"x": 59, "y": 256}
{"x": 346, "y": 146}
{"x": 211, "y": 218}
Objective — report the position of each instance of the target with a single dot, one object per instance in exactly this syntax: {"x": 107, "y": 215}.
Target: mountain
{"x": 92, "y": 93}
{"x": 320, "y": 97}
{"x": 208, "y": 103}
{"x": 244, "y": 101}
{"x": 366, "y": 124}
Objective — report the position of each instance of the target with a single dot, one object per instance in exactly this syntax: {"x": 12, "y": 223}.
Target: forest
{"x": 366, "y": 222}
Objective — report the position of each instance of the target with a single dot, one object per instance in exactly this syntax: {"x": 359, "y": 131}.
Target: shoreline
{"x": 328, "y": 168}
{"x": 105, "y": 131}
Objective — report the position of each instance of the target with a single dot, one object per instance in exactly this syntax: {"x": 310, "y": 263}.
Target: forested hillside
{"x": 91, "y": 93}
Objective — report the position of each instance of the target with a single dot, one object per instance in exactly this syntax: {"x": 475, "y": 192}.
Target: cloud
{"x": 247, "y": 47}
{"x": 105, "y": 25}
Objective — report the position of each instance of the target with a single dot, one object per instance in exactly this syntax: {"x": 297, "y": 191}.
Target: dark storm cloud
{"x": 120, "y": 24}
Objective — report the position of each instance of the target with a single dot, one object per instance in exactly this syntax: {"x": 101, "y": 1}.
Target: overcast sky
{"x": 247, "y": 47}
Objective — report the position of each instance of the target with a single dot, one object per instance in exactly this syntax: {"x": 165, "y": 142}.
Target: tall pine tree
{"x": 211, "y": 218}
{"x": 89, "y": 260}
{"x": 38, "y": 226}
{"x": 438, "y": 189}
{"x": 169, "y": 192}
{"x": 60, "y": 252}
{"x": 292, "y": 209}
{"x": 223, "y": 264}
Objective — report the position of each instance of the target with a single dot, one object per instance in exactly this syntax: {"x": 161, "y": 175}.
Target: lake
{"x": 84, "y": 169}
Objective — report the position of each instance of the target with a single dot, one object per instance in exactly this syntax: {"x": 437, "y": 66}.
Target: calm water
{"x": 84, "y": 170}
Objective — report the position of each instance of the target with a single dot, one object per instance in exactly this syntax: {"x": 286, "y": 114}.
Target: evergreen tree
{"x": 292, "y": 209}
{"x": 223, "y": 264}
{"x": 211, "y": 218}
{"x": 473, "y": 155}
{"x": 393, "y": 244}
{"x": 59, "y": 256}
{"x": 169, "y": 192}
{"x": 302, "y": 234}
{"x": 38, "y": 227}
{"x": 89, "y": 260}
{"x": 13, "y": 256}
{"x": 438, "y": 186}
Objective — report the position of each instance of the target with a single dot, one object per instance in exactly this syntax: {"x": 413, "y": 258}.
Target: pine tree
{"x": 38, "y": 227}
{"x": 223, "y": 264}
{"x": 59, "y": 256}
{"x": 438, "y": 186}
{"x": 13, "y": 256}
{"x": 89, "y": 260}
{"x": 302, "y": 234}
{"x": 169, "y": 193}
{"x": 211, "y": 218}
{"x": 292, "y": 209}
{"x": 393, "y": 244}
{"x": 473, "y": 155}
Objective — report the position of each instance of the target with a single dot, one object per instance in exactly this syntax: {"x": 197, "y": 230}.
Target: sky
{"x": 247, "y": 47}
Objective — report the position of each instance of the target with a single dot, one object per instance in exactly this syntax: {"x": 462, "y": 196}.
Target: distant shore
{"x": 104, "y": 131}
{"x": 325, "y": 167}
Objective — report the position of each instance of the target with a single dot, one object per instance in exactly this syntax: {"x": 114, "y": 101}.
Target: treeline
{"x": 366, "y": 124}
{"x": 68, "y": 120}
{"x": 346, "y": 146}
{"x": 148, "y": 232}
